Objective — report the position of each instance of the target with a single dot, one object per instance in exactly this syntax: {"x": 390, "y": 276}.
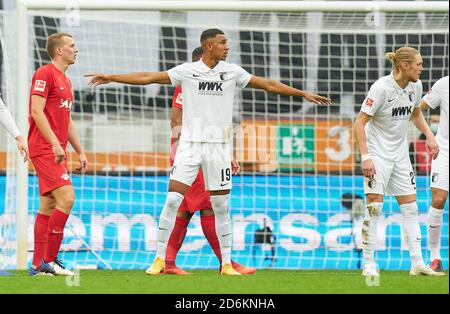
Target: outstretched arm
{"x": 276, "y": 87}
{"x": 136, "y": 78}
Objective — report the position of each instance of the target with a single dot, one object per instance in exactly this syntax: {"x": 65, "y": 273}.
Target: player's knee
{"x": 173, "y": 200}
{"x": 410, "y": 212}
{"x": 206, "y": 212}
{"x": 184, "y": 215}
{"x": 46, "y": 210}
{"x": 65, "y": 203}
{"x": 439, "y": 200}
{"x": 220, "y": 204}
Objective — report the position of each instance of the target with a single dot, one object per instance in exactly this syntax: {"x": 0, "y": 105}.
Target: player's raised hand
{"x": 83, "y": 163}
{"x": 235, "y": 167}
{"x": 22, "y": 147}
{"x": 320, "y": 100}
{"x": 59, "y": 153}
{"x": 97, "y": 79}
{"x": 432, "y": 146}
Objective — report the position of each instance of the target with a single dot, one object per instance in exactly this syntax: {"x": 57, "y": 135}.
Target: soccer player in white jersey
{"x": 381, "y": 131}
{"x": 437, "y": 96}
{"x": 208, "y": 92}
{"x": 7, "y": 121}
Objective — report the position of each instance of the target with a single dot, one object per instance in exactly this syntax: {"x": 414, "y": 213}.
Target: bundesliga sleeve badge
{"x": 369, "y": 102}
{"x": 39, "y": 85}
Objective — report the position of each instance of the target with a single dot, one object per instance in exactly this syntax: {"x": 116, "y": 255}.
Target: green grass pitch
{"x": 210, "y": 282}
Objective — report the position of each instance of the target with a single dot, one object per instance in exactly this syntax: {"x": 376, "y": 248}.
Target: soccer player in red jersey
{"x": 51, "y": 129}
{"x": 197, "y": 198}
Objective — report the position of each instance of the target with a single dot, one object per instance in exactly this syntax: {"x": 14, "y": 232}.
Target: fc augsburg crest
{"x": 434, "y": 177}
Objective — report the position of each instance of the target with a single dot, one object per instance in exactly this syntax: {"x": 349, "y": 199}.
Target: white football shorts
{"x": 214, "y": 158}
{"x": 439, "y": 171}
{"x": 391, "y": 178}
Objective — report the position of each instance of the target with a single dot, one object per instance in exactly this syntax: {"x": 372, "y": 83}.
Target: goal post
{"x": 298, "y": 160}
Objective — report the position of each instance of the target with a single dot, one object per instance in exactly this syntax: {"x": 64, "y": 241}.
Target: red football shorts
{"x": 196, "y": 198}
{"x": 50, "y": 174}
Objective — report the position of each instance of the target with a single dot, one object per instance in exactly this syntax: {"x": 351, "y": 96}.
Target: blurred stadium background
{"x": 298, "y": 203}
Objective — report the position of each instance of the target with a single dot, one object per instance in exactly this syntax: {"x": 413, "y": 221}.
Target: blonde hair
{"x": 55, "y": 41}
{"x": 403, "y": 54}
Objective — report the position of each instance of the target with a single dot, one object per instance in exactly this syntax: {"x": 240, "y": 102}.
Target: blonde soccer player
{"x": 208, "y": 93}
{"x": 381, "y": 131}
{"x": 437, "y": 96}
{"x": 51, "y": 129}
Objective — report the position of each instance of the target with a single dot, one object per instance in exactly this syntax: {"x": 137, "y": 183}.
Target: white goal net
{"x": 298, "y": 202}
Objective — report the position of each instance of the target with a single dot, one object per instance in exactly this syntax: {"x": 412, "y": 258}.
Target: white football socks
{"x": 167, "y": 222}
{"x": 369, "y": 231}
{"x": 411, "y": 232}
{"x": 434, "y": 225}
{"x": 223, "y": 225}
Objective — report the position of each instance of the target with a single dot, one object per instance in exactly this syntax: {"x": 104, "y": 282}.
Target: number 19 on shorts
{"x": 226, "y": 175}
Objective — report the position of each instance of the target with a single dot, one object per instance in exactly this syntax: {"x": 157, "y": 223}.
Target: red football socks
{"x": 40, "y": 238}
{"x": 55, "y": 233}
{"x": 209, "y": 229}
{"x": 176, "y": 240}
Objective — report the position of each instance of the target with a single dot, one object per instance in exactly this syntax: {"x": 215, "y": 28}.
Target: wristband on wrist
{"x": 365, "y": 157}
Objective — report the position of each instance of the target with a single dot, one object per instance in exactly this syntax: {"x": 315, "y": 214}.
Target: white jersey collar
{"x": 207, "y": 69}
{"x": 396, "y": 86}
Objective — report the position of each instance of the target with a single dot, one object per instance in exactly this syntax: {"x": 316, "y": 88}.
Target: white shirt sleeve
{"x": 374, "y": 100}
{"x": 419, "y": 91}
{"x": 242, "y": 76}
{"x": 7, "y": 121}
{"x": 177, "y": 73}
{"x": 433, "y": 97}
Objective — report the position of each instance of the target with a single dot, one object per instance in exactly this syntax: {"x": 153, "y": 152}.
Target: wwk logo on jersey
{"x": 210, "y": 86}
{"x": 67, "y": 104}
{"x": 401, "y": 111}
{"x": 39, "y": 85}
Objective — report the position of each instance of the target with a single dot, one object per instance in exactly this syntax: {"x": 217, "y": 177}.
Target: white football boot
{"x": 423, "y": 269}
{"x": 370, "y": 270}
{"x": 60, "y": 270}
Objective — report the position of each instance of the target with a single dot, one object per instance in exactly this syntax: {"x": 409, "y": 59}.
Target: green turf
{"x": 208, "y": 281}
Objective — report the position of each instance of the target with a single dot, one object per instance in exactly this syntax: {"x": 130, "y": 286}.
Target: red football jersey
{"x": 177, "y": 102}
{"x": 177, "y": 98}
{"x": 56, "y": 88}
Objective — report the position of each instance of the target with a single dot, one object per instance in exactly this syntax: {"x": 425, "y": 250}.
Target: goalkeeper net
{"x": 299, "y": 201}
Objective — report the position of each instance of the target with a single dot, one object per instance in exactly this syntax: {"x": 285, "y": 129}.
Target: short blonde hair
{"x": 55, "y": 41}
{"x": 403, "y": 54}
